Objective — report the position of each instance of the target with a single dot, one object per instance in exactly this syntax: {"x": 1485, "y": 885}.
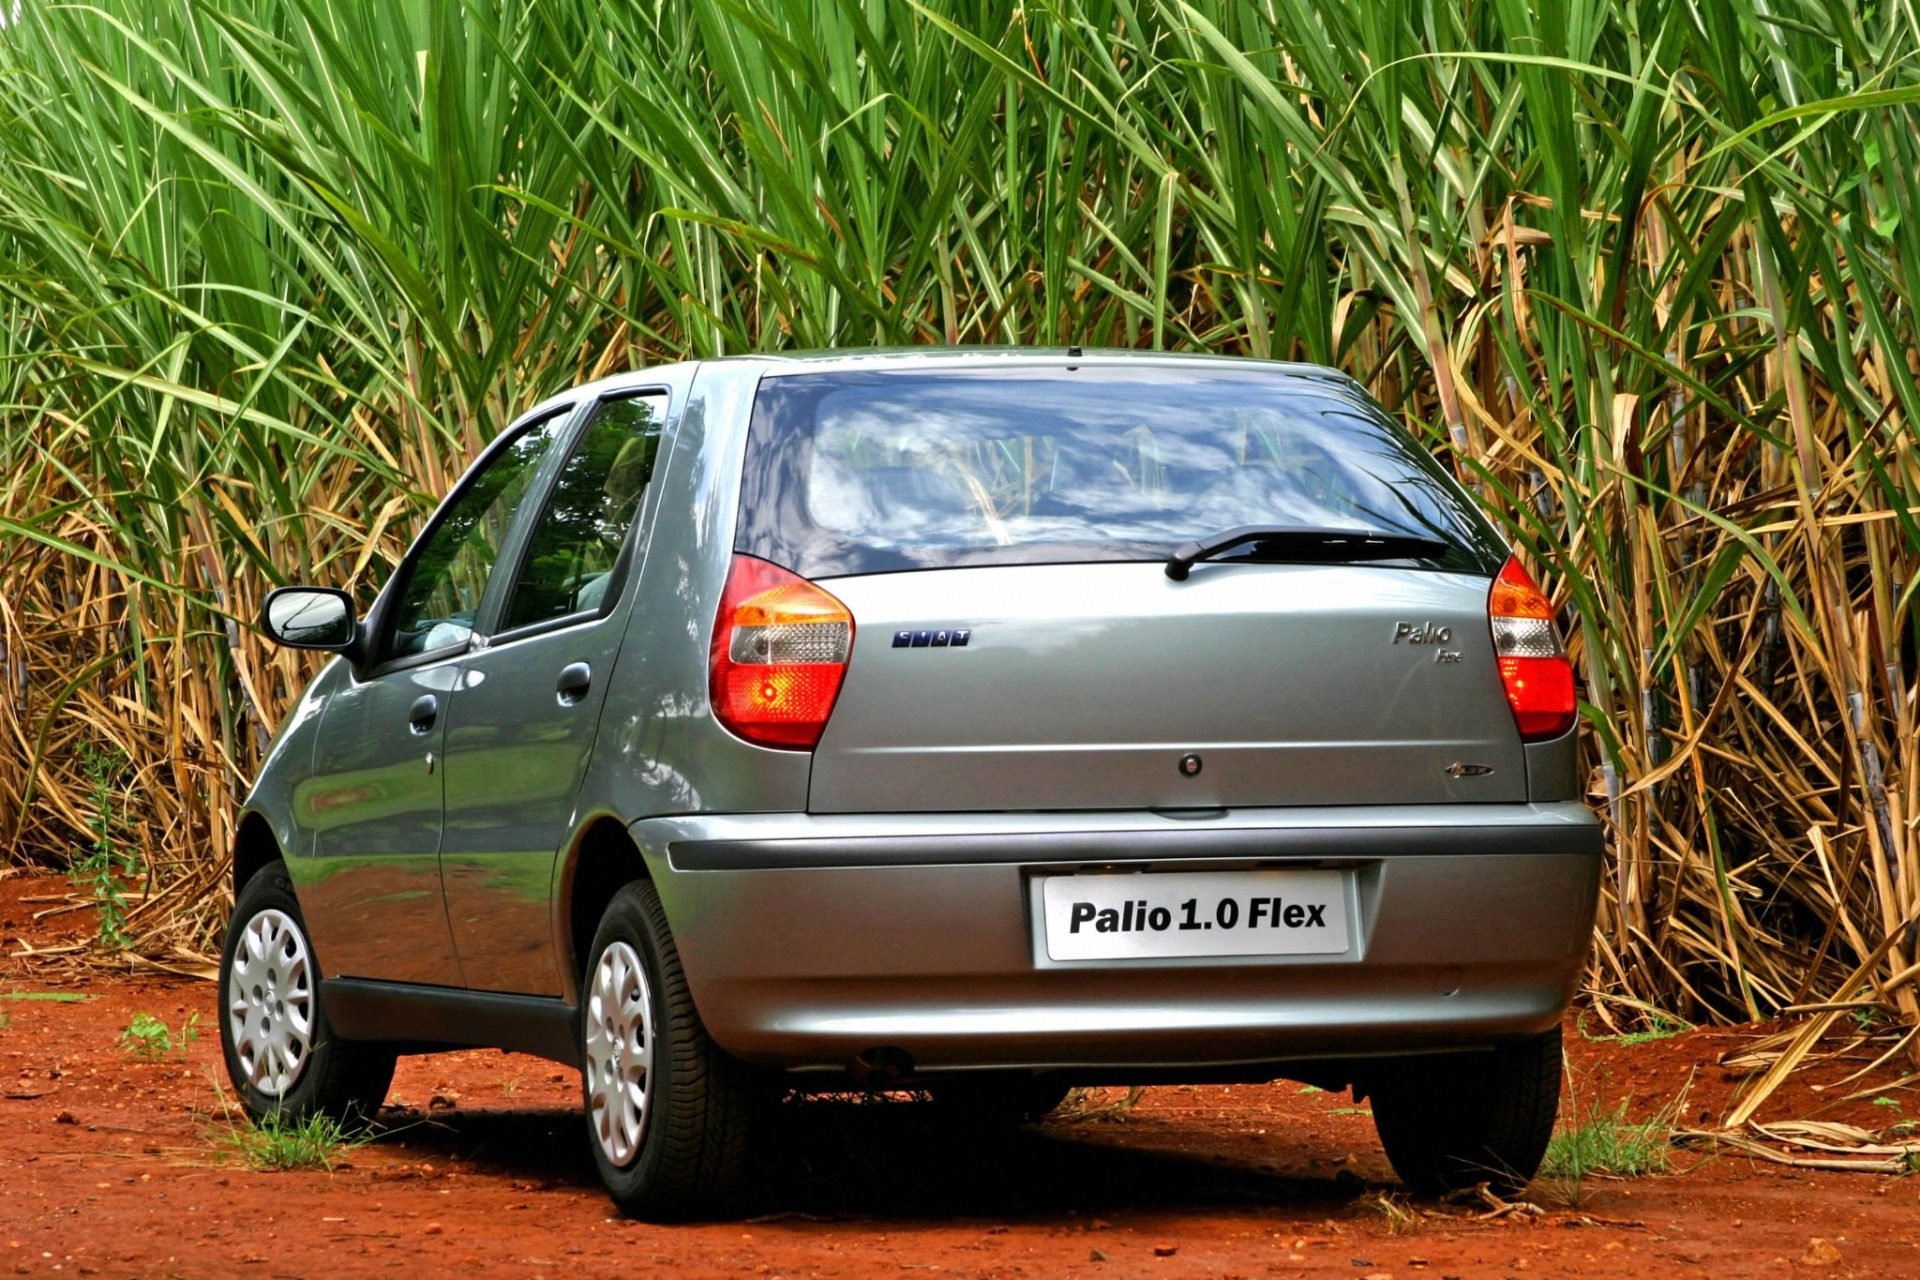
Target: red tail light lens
{"x": 1533, "y": 666}
{"x": 780, "y": 650}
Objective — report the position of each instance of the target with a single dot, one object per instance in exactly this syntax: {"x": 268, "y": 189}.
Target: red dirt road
{"x": 111, "y": 1165}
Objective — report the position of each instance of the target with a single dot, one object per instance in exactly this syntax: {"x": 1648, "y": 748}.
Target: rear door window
{"x": 870, "y": 472}
{"x": 579, "y": 547}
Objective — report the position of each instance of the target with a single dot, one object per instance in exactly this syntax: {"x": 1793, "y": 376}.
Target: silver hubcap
{"x": 270, "y": 1002}
{"x": 619, "y": 1026}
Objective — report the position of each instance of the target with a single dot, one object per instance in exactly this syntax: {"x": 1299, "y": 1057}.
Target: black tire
{"x": 1448, "y": 1123}
{"x": 342, "y": 1079}
{"x": 1000, "y": 1101}
{"x": 691, "y": 1159}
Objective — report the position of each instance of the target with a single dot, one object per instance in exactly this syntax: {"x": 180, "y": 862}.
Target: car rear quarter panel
{"x": 1553, "y": 768}
{"x": 660, "y": 750}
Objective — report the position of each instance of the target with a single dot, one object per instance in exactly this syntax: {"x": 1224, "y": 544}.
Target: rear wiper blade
{"x": 1335, "y": 545}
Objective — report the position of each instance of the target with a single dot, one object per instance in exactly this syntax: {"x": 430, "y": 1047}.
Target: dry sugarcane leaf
{"x": 1733, "y": 1140}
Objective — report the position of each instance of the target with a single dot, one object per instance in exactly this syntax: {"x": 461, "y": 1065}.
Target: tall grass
{"x": 1643, "y": 271}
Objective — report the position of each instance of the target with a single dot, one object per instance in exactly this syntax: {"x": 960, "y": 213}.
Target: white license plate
{"x": 1199, "y": 913}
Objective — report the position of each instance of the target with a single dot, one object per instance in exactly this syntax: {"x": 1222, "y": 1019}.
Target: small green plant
{"x": 1884, "y": 1101}
{"x": 98, "y": 874}
{"x": 278, "y": 1141}
{"x": 148, "y": 1037}
{"x": 1605, "y": 1141}
{"x": 1656, "y": 1026}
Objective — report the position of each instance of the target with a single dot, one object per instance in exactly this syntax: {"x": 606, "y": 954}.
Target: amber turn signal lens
{"x": 1515, "y": 596}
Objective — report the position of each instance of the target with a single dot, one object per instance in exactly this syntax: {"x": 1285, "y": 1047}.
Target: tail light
{"x": 780, "y": 650}
{"x": 1533, "y": 666}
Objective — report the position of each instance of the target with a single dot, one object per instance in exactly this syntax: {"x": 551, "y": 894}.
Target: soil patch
{"x": 114, "y": 1164}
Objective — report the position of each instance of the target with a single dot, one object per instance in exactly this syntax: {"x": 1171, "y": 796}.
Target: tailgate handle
{"x": 574, "y": 681}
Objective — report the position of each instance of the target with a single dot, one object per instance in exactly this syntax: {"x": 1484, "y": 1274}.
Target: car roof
{"x": 858, "y": 359}
{"x": 964, "y": 357}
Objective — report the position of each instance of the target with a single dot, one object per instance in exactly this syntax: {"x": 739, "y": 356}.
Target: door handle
{"x": 574, "y": 681}
{"x": 420, "y": 716}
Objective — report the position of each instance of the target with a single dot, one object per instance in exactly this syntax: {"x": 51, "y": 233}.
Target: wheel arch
{"x": 602, "y": 858}
{"x": 255, "y": 848}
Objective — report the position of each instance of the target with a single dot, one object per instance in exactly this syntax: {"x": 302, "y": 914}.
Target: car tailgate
{"x": 1094, "y": 686}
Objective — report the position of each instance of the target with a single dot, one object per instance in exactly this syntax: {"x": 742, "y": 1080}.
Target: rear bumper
{"x": 810, "y": 941}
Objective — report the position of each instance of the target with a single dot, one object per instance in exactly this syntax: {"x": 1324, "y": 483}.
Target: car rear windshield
{"x": 874, "y": 472}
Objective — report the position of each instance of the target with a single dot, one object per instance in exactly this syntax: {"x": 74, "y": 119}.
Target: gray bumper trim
{"x": 811, "y": 853}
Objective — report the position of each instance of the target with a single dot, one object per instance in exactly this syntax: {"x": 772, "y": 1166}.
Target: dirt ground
{"x": 114, "y": 1165}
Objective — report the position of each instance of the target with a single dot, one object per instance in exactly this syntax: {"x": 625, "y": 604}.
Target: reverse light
{"x": 1533, "y": 667}
{"x": 780, "y": 651}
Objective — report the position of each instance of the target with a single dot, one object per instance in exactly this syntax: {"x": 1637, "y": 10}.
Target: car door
{"x": 525, "y": 714}
{"x": 375, "y": 797}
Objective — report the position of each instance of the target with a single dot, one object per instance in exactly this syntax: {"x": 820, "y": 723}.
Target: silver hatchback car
{"x": 984, "y": 723}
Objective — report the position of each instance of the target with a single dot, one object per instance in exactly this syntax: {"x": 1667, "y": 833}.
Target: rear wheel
{"x": 281, "y": 1053}
{"x": 1449, "y": 1123}
{"x": 667, "y": 1109}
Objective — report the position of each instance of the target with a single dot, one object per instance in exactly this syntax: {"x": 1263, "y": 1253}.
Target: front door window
{"x": 437, "y": 603}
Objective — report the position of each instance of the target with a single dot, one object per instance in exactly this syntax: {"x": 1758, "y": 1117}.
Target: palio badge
{"x": 1427, "y": 633}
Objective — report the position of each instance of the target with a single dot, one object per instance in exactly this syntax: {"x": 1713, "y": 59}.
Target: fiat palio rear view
{"x": 981, "y": 723}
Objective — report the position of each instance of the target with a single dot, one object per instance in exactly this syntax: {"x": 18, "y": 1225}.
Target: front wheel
{"x": 668, "y": 1110}
{"x": 281, "y": 1053}
{"x": 1448, "y": 1123}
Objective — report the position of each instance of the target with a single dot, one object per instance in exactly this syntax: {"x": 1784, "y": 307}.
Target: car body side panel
{"x": 289, "y": 759}
{"x": 371, "y": 891}
{"x": 371, "y": 905}
{"x": 516, "y": 757}
{"x": 513, "y": 765}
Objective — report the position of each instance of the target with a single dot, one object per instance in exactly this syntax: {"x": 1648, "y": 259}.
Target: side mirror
{"x": 310, "y": 618}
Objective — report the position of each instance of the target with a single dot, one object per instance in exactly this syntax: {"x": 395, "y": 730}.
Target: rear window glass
{"x": 874, "y": 472}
